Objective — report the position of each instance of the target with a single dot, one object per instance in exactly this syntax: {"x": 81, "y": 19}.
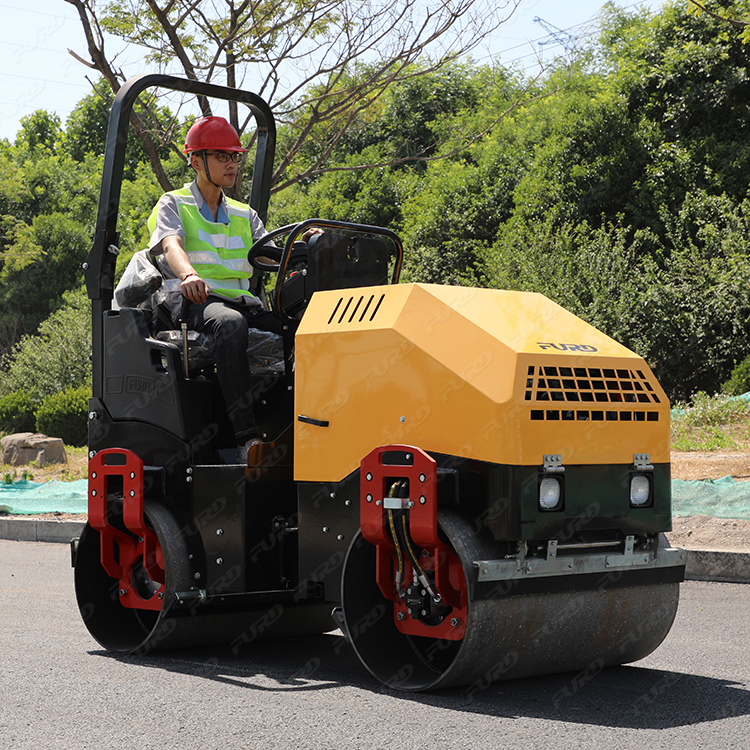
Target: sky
{"x": 39, "y": 73}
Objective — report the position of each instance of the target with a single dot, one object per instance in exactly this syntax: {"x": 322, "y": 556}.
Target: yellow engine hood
{"x": 498, "y": 376}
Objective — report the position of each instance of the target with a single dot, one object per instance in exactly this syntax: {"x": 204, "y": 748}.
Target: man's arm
{"x": 259, "y": 231}
{"x": 193, "y": 287}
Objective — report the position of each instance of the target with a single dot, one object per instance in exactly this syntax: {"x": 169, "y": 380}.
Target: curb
{"x": 727, "y": 567}
{"x": 37, "y": 530}
{"x": 702, "y": 565}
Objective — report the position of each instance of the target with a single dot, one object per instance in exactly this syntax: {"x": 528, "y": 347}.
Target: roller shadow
{"x": 622, "y": 697}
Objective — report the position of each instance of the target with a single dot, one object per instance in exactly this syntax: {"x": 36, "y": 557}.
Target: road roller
{"x": 471, "y": 484}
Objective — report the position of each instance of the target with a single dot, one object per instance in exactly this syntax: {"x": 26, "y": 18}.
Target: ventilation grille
{"x": 362, "y": 308}
{"x": 584, "y": 415}
{"x": 584, "y": 393}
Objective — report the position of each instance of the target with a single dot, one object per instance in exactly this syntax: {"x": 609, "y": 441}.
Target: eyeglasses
{"x": 224, "y": 157}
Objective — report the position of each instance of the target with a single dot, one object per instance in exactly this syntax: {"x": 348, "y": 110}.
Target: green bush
{"x": 65, "y": 415}
{"x": 708, "y": 410}
{"x": 17, "y": 413}
{"x": 739, "y": 381}
{"x": 56, "y": 358}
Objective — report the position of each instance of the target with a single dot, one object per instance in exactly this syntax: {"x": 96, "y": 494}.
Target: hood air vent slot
{"x": 356, "y": 308}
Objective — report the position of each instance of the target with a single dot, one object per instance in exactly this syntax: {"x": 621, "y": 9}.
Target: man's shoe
{"x": 242, "y": 450}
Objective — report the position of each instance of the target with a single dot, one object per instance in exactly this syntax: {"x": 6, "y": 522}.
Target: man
{"x": 202, "y": 238}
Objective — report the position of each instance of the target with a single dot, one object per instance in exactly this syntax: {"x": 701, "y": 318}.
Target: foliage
{"x": 373, "y": 196}
{"x": 684, "y": 438}
{"x": 10, "y": 477}
{"x": 406, "y": 122}
{"x": 39, "y": 131}
{"x": 65, "y": 415}
{"x": 56, "y": 358}
{"x": 47, "y": 208}
{"x": 686, "y": 77}
{"x": 708, "y": 423}
{"x": 17, "y": 413}
{"x": 86, "y": 126}
{"x": 704, "y": 410}
{"x": 49, "y": 189}
{"x": 43, "y": 261}
{"x": 621, "y": 195}
{"x": 86, "y": 130}
{"x": 42, "y": 182}
{"x": 682, "y": 302}
{"x": 138, "y": 198}
{"x": 452, "y": 220}
{"x": 739, "y": 381}
{"x": 736, "y": 13}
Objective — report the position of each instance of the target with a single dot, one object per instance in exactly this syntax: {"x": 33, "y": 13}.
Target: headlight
{"x": 550, "y": 494}
{"x": 640, "y": 491}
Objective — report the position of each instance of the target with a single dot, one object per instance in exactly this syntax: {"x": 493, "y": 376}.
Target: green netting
{"x": 31, "y": 498}
{"x": 720, "y": 498}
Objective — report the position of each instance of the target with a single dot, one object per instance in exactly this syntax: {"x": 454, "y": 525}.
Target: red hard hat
{"x": 212, "y": 132}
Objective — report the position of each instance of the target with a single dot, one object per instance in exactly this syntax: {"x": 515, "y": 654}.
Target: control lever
{"x": 183, "y": 320}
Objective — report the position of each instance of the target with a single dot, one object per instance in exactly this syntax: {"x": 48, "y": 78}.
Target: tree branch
{"x": 718, "y": 16}
{"x": 323, "y": 61}
{"x": 179, "y": 50}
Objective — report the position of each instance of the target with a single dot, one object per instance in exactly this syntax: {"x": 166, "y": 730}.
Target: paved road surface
{"x": 59, "y": 690}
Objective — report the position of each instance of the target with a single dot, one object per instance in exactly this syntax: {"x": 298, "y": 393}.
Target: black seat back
{"x": 338, "y": 261}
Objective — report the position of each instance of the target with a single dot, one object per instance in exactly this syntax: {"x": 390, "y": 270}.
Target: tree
{"x": 40, "y": 129}
{"x": 86, "y": 132}
{"x": 323, "y": 62}
{"x": 47, "y": 211}
{"x": 86, "y": 126}
{"x": 58, "y": 357}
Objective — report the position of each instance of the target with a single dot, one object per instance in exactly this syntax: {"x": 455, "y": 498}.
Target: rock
{"x": 24, "y": 447}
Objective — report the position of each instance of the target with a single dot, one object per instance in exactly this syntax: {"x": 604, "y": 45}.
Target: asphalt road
{"x": 59, "y": 690}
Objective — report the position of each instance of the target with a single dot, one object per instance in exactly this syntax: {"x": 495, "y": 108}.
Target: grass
{"x": 711, "y": 423}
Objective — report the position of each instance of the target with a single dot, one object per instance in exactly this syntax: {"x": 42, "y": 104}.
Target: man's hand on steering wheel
{"x": 266, "y": 257}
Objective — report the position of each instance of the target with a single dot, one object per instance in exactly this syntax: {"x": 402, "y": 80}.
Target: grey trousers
{"x": 228, "y": 325}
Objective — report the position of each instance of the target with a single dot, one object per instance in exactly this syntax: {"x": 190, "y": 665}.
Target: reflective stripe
{"x": 173, "y": 285}
{"x": 242, "y": 284}
{"x": 183, "y": 198}
{"x": 237, "y": 211}
{"x": 206, "y": 257}
{"x": 228, "y": 242}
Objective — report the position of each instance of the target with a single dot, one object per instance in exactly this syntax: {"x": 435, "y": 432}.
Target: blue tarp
{"x": 32, "y": 498}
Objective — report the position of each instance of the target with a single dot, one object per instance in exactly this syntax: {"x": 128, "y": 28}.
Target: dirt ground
{"x": 694, "y": 532}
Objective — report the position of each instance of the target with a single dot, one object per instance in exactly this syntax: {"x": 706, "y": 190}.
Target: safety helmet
{"x": 212, "y": 132}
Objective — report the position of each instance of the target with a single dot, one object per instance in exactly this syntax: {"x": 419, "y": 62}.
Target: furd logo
{"x": 566, "y": 347}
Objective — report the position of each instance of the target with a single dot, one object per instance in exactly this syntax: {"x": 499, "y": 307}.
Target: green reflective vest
{"x": 217, "y": 252}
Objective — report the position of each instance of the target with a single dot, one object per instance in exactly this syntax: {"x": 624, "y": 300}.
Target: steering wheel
{"x": 260, "y": 247}
{"x": 297, "y": 280}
